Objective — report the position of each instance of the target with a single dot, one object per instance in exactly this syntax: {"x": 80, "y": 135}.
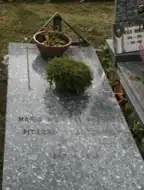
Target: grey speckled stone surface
{"x": 78, "y": 144}
{"x": 126, "y": 9}
{"x": 133, "y": 88}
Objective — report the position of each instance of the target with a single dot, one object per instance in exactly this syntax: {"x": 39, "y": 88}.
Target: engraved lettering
{"x": 30, "y": 119}
{"x": 21, "y": 118}
{"x": 39, "y": 119}
{"x": 38, "y": 132}
{"x": 26, "y": 119}
{"x": 26, "y": 131}
{"x": 32, "y": 130}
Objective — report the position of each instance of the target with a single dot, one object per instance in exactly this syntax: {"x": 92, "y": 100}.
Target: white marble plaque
{"x": 128, "y": 36}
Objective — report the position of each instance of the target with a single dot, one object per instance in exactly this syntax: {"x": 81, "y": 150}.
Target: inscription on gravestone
{"x": 38, "y": 132}
{"x": 128, "y": 36}
{"x": 31, "y": 131}
{"x": 29, "y": 119}
{"x": 128, "y": 30}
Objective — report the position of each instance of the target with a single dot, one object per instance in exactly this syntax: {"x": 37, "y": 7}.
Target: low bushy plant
{"x": 69, "y": 75}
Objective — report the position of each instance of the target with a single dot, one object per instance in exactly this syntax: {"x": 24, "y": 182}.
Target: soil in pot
{"x": 55, "y": 39}
{"x": 52, "y": 44}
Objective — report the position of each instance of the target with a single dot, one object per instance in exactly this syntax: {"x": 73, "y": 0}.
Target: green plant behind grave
{"x": 69, "y": 75}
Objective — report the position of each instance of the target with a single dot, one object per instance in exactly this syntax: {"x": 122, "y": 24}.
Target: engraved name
{"x": 29, "y": 119}
{"x": 38, "y": 132}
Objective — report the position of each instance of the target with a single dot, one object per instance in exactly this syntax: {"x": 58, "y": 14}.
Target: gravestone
{"x": 128, "y": 36}
{"x": 125, "y": 46}
{"x": 128, "y": 30}
{"x": 54, "y": 142}
{"x": 126, "y": 10}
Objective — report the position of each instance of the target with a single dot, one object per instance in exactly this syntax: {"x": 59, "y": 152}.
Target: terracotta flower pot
{"x": 118, "y": 91}
{"x": 51, "y": 51}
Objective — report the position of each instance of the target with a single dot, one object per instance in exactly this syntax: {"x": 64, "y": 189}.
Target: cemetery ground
{"x": 21, "y": 21}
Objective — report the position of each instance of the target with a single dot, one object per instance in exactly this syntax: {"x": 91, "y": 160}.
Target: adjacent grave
{"x": 127, "y": 30}
{"x": 128, "y": 36}
{"x": 134, "y": 88}
{"x": 127, "y": 9}
{"x": 58, "y": 143}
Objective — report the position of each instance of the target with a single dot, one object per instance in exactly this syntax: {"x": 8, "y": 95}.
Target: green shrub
{"x": 69, "y": 75}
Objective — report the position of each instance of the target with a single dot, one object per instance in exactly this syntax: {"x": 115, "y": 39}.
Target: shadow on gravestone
{"x": 87, "y": 107}
{"x": 39, "y": 65}
{"x": 60, "y": 104}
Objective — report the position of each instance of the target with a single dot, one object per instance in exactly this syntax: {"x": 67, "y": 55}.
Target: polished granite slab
{"x": 133, "y": 88}
{"x": 54, "y": 142}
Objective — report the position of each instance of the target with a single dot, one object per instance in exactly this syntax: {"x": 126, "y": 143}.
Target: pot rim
{"x": 41, "y": 32}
